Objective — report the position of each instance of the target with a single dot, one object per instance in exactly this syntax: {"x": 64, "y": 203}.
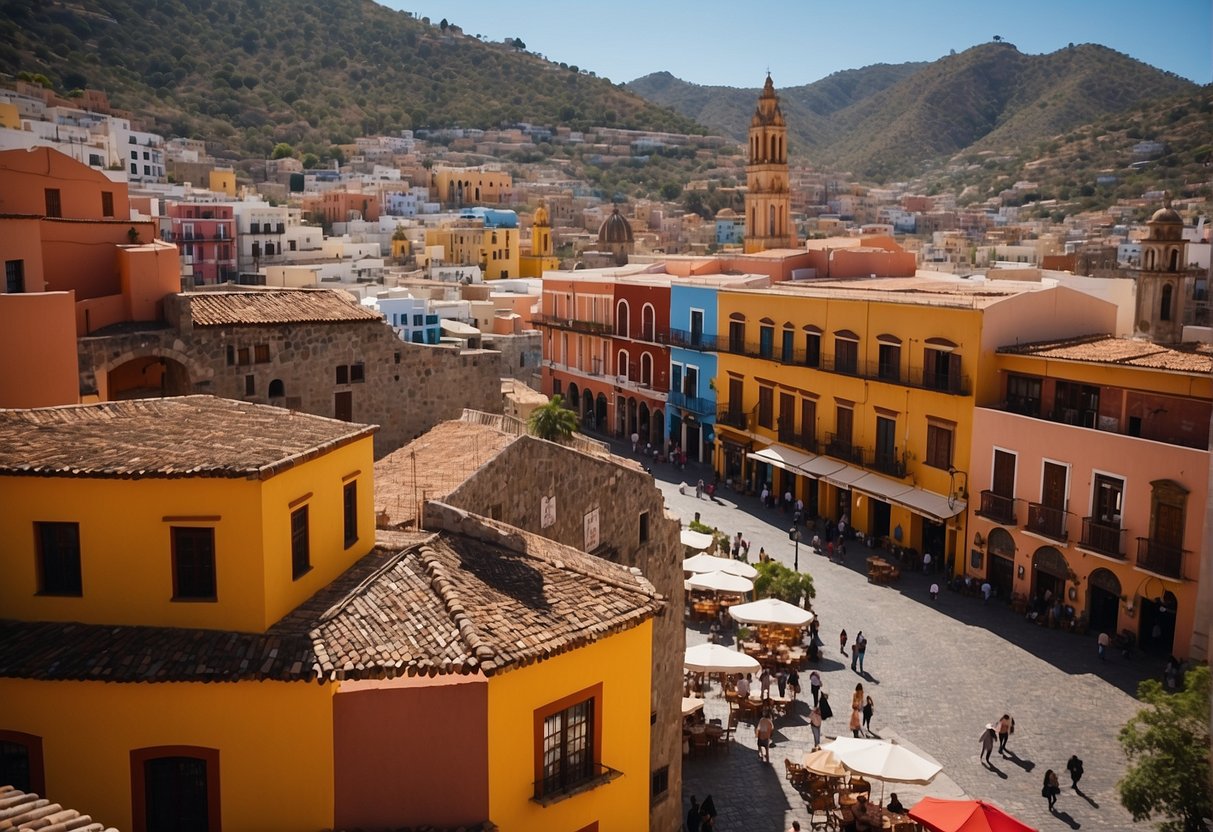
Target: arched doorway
{"x": 658, "y": 422}
{"x": 587, "y": 409}
{"x": 1157, "y": 633}
{"x": 277, "y": 389}
{"x": 642, "y": 419}
{"x": 600, "y": 412}
{"x": 147, "y": 377}
{"x": 572, "y": 397}
{"x": 1049, "y": 573}
{"x": 631, "y": 424}
{"x": 1000, "y": 566}
{"x": 1103, "y": 601}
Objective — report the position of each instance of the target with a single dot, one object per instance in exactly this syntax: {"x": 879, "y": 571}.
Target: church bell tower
{"x": 768, "y": 197}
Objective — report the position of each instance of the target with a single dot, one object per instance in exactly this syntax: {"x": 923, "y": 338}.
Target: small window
{"x": 766, "y": 406}
{"x": 242, "y": 356}
{"x": 789, "y": 346}
{"x": 193, "y": 564}
{"x": 21, "y": 761}
{"x": 566, "y": 741}
{"x": 58, "y": 558}
{"x": 396, "y": 358}
{"x": 357, "y": 373}
{"x": 766, "y": 341}
{"x": 644, "y": 527}
{"x": 250, "y": 385}
{"x": 53, "y": 206}
{"x": 661, "y": 784}
{"x": 277, "y": 389}
{"x": 349, "y": 499}
{"x": 846, "y": 356}
{"x": 107, "y": 203}
{"x": 134, "y": 168}
{"x": 261, "y": 354}
{"x": 301, "y": 557}
{"x": 343, "y": 374}
{"x": 939, "y": 446}
{"x": 14, "y": 276}
{"x": 231, "y": 356}
{"x": 175, "y": 788}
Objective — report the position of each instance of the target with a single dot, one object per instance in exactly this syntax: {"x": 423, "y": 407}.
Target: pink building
{"x": 1093, "y": 475}
{"x": 206, "y": 236}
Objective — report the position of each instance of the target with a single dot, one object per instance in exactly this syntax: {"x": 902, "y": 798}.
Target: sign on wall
{"x": 591, "y": 530}
{"x": 547, "y": 511}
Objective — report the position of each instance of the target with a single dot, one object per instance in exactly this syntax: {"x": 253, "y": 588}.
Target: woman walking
{"x": 842, "y": 642}
{"x": 815, "y": 724}
{"x": 856, "y": 721}
{"x": 1051, "y": 789}
{"x": 867, "y": 716}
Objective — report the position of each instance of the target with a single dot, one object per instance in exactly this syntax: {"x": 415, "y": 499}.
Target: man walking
{"x": 987, "y": 744}
{"x": 1006, "y": 727}
{"x": 858, "y": 651}
{"x": 1104, "y": 641}
{"x": 815, "y": 685}
{"x": 763, "y": 732}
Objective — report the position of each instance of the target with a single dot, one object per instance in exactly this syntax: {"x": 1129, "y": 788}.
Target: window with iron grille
{"x": 568, "y": 748}
{"x": 350, "y": 513}
{"x": 193, "y": 564}
{"x": 58, "y": 558}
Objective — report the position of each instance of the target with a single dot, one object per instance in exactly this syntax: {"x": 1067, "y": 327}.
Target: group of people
{"x": 1002, "y": 731}
{"x": 673, "y": 452}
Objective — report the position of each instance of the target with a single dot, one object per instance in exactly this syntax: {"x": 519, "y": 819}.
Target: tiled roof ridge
{"x": 27, "y": 810}
{"x": 484, "y": 656}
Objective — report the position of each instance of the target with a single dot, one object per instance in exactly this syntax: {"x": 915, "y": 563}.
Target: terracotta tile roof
{"x": 433, "y": 465}
{"x": 447, "y": 603}
{"x": 25, "y": 810}
{"x": 189, "y": 436}
{"x": 276, "y": 306}
{"x": 1127, "y": 352}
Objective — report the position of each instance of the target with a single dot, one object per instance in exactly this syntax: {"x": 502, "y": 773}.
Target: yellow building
{"x": 457, "y": 187}
{"x": 542, "y": 257}
{"x": 384, "y": 682}
{"x": 223, "y": 180}
{"x": 467, "y": 242}
{"x": 857, "y": 396}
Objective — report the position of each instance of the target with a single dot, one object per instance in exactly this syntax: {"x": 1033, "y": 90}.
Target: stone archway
{"x": 1103, "y": 601}
{"x": 600, "y": 412}
{"x": 1049, "y": 574}
{"x": 658, "y": 429}
{"x": 142, "y": 371}
{"x": 586, "y": 411}
{"x": 644, "y": 426}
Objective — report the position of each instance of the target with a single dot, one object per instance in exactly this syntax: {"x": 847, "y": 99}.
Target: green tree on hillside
{"x": 1168, "y": 748}
{"x": 282, "y": 150}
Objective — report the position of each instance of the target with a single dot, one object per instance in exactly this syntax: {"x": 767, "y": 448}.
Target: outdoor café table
{"x": 779, "y": 704}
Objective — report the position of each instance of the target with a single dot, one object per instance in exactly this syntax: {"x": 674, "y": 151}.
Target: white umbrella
{"x": 771, "y": 611}
{"x": 720, "y": 582}
{"x": 885, "y": 761}
{"x": 713, "y": 658}
{"x": 696, "y": 540}
{"x": 823, "y": 762}
{"x": 690, "y": 705}
{"x": 703, "y": 562}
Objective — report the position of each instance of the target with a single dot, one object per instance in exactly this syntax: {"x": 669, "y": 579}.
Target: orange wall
{"x": 148, "y": 273}
{"x": 38, "y": 333}
{"x": 20, "y": 239}
{"x": 26, "y": 174}
{"x": 95, "y": 313}
{"x": 386, "y": 771}
{"x": 866, "y": 262}
{"x": 75, "y": 254}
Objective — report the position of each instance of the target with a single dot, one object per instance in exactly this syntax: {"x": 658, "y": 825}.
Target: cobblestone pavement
{"x": 937, "y": 672}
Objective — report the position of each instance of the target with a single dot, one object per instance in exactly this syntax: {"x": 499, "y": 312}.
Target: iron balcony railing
{"x": 1160, "y": 558}
{"x": 1104, "y": 538}
{"x": 735, "y": 417}
{"x": 998, "y": 508}
{"x": 692, "y": 340}
{"x": 842, "y": 448}
{"x": 570, "y": 781}
{"x": 694, "y": 404}
{"x": 886, "y": 462}
{"x": 1047, "y": 521}
{"x": 573, "y": 324}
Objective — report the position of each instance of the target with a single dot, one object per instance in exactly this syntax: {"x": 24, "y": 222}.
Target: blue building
{"x": 730, "y": 228}
{"x": 691, "y": 409}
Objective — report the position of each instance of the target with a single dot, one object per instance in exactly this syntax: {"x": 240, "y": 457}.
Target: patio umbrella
{"x": 824, "y": 763}
{"x": 771, "y": 611}
{"x": 885, "y": 761}
{"x": 940, "y": 815}
{"x": 713, "y": 658}
{"x": 703, "y": 562}
{"x": 720, "y": 582}
{"x": 696, "y": 540}
{"x": 690, "y": 705}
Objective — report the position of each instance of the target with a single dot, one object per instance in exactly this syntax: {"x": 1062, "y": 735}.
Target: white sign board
{"x": 547, "y": 511}
{"x": 591, "y": 530}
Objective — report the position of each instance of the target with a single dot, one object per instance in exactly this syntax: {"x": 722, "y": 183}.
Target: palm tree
{"x": 553, "y": 420}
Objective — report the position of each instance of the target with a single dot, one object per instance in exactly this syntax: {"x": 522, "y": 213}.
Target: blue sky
{"x": 734, "y": 43}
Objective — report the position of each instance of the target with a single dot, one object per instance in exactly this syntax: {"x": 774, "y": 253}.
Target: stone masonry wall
{"x": 510, "y": 488}
{"x": 521, "y": 355}
{"x": 406, "y": 388}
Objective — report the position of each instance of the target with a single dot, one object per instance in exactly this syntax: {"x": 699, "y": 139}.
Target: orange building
{"x": 342, "y": 206}
{"x": 66, "y": 236}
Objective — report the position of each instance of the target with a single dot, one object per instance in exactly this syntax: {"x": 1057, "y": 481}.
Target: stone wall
{"x": 511, "y": 487}
{"x": 405, "y": 388}
{"x": 521, "y": 355}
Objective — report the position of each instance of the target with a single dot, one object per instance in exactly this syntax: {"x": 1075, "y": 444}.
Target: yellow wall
{"x": 223, "y": 181}
{"x": 126, "y": 552}
{"x": 10, "y": 116}
{"x": 478, "y": 246}
{"x": 622, "y": 663}
{"x": 275, "y": 742}
{"x": 867, "y": 319}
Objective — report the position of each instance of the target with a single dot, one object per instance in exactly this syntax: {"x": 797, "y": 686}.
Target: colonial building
{"x": 1092, "y": 464}
{"x": 182, "y": 621}
{"x": 1164, "y": 282}
{"x": 768, "y": 196}
{"x": 542, "y": 257}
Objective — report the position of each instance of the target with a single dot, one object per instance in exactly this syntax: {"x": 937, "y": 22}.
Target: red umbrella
{"x": 940, "y": 815}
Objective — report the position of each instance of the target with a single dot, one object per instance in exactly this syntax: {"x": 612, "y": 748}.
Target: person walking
{"x": 987, "y": 744}
{"x": 824, "y": 704}
{"x": 857, "y": 696}
{"x": 926, "y": 562}
{"x": 794, "y": 683}
{"x": 934, "y": 592}
{"x": 1102, "y": 646}
{"x": 699, "y": 490}
{"x": 764, "y": 683}
{"x": 635, "y": 441}
{"x": 868, "y": 708}
{"x": 1074, "y": 766}
{"x": 1006, "y": 727}
{"x": 781, "y": 682}
{"x": 859, "y": 651}
{"x": 815, "y": 724}
{"x": 842, "y": 642}
{"x": 856, "y": 720}
{"x": 763, "y": 732}
{"x": 737, "y": 546}
{"x": 1051, "y": 789}
{"x": 814, "y": 685}
{"x": 693, "y": 814}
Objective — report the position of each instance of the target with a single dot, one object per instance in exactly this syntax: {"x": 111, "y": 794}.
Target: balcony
{"x": 886, "y": 462}
{"x": 692, "y": 340}
{"x": 1105, "y": 538}
{"x": 998, "y": 508}
{"x": 573, "y": 325}
{"x": 1160, "y": 558}
{"x": 841, "y": 448}
{"x": 574, "y": 781}
{"x": 1047, "y": 521}
{"x": 805, "y": 442}
{"x": 950, "y": 383}
{"x": 691, "y": 404}
{"x": 735, "y": 417}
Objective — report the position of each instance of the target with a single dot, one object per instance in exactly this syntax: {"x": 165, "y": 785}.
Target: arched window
{"x": 772, "y": 156}
{"x": 175, "y": 787}
{"x": 621, "y": 319}
{"x": 646, "y": 370}
{"x": 648, "y": 323}
{"x": 1150, "y": 260}
{"x": 1173, "y": 266}
{"x": 1164, "y": 306}
{"x": 772, "y": 223}
{"x": 21, "y": 761}
{"x": 621, "y": 364}
{"x": 277, "y": 389}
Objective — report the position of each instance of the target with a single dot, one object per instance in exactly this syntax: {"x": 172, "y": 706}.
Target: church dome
{"x": 615, "y": 229}
{"x": 1167, "y": 215}
{"x": 726, "y": 214}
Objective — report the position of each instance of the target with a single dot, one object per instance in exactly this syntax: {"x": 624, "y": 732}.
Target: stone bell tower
{"x": 1161, "y": 284}
{"x": 768, "y": 198}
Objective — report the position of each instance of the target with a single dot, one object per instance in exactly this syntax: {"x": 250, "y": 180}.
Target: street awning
{"x": 883, "y": 488}
{"x": 819, "y": 466}
{"x": 918, "y": 500}
{"x": 844, "y": 477}
{"x": 783, "y": 457}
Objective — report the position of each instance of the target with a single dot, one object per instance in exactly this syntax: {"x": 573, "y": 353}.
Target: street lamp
{"x": 794, "y": 536}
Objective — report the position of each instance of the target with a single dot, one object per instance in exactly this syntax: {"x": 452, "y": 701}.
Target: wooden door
{"x": 343, "y": 406}
{"x": 1053, "y": 489}
{"x": 1004, "y": 474}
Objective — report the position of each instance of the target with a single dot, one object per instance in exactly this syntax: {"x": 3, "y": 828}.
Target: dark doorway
{"x": 1001, "y": 576}
{"x": 1049, "y": 571}
{"x": 1157, "y": 634}
{"x": 1103, "y": 602}
{"x": 15, "y": 769}
{"x": 343, "y": 406}
{"x": 881, "y": 514}
{"x": 934, "y": 539}
{"x": 176, "y": 795}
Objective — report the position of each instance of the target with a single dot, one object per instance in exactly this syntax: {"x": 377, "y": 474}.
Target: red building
{"x": 640, "y": 356}
{"x": 206, "y": 236}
